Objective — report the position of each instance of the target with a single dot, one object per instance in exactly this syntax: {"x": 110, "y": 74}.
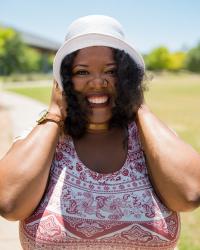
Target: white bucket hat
{"x": 94, "y": 30}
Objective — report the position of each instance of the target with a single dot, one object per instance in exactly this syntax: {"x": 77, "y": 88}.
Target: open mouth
{"x": 98, "y": 100}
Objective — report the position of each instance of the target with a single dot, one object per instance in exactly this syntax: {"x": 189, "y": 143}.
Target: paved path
{"x": 23, "y": 111}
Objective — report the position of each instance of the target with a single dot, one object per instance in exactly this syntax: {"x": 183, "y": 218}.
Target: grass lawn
{"x": 41, "y": 94}
{"x": 176, "y": 100}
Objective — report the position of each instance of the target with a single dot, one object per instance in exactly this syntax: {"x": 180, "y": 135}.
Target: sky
{"x": 147, "y": 23}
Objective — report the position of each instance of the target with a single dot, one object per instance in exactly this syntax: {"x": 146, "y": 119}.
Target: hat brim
{"x": 88, "y": 40}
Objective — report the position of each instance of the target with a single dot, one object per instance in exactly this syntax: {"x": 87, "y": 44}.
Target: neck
{"x": 97, "y": 127}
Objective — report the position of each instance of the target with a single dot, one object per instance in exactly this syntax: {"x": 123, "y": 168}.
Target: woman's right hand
{"x": 58, "y": 104}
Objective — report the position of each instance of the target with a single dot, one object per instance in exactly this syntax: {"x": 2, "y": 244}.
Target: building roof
{"x": 38, "y": 41}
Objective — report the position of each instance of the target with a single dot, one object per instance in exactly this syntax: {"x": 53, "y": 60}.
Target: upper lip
{"x": 97, "y": 94}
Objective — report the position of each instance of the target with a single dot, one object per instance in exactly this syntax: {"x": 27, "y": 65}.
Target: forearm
{"x": 25, "y": 169}
{"x": 174, "y": 166}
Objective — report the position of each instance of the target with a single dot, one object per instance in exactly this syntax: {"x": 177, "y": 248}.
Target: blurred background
{"x": 167, "y": 34}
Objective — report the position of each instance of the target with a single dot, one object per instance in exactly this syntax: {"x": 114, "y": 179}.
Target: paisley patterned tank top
{"x": 83, "y": 209}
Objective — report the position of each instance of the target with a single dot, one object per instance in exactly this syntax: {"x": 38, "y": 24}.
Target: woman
{"x": 79, "y": 179}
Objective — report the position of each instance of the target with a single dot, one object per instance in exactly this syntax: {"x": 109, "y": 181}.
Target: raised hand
{"x": 58, "y": 104}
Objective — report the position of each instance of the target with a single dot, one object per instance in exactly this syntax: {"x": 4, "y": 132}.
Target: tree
{"x": 177, "y": 61}
{"x": 11, "y": 51}
{"x": 158, "y": 59}
{"x": 193, "y": 59}
{"x": 31, "y": 60}
{"x": 16, "y": 57}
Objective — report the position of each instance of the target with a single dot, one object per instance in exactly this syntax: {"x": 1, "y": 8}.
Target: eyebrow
{"x": 85, "y": 65}
{"x": 111, "y": 64}
{"x": 80, "y": 65}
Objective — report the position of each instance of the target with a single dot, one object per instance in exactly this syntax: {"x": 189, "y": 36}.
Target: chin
{"x": 99, "y": 118}
{"x": 96, "y": 121}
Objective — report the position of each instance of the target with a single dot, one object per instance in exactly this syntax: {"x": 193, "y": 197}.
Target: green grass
{"x": 21, "y": 77}
{"x": 176, "y": 100}
{"x": 190, "y": 231}
{"x": 41, "y": 94}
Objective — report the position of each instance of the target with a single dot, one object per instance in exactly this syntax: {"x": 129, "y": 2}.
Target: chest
{"x": 102, "y": 155}
{"x": 88, "y": 205}
{"x": 92, "y": 208}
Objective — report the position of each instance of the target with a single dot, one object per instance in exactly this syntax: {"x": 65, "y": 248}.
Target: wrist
{"x": 52, "y": 124}
{"x": 58, "y": 111}
{"x": 47, "y": 116}
{"x": 55, "y": 110}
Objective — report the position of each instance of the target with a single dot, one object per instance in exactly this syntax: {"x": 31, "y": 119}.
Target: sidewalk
{"x": 17, "y": 113}
{"x": 23, "y": 110}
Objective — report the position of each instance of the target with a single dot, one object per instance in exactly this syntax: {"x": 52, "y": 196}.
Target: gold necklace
{"x": 97, "y": 126}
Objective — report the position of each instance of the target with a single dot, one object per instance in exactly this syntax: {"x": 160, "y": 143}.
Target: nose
{"x": 97, "y": 82}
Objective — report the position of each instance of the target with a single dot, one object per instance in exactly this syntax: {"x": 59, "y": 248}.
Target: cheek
{"x": 79, "y": 85}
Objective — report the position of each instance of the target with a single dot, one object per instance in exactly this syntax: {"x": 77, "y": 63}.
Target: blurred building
{"x": 42, "y": 60}
{"x": 46, "y": 47}
{"x": 42, "y": 44}
{"x": 35, "y": 41}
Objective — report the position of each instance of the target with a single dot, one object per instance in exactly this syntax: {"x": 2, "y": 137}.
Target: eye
{"x": 81, "y": 72}
{"x": 111, "y": 72}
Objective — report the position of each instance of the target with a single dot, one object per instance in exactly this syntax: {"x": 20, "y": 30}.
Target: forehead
{"x": 92, "y": 53}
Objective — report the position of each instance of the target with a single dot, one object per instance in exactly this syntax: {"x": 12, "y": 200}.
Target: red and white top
{"x": 83, "y": 209}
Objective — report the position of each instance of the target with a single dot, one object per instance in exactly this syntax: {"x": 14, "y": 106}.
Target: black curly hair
{"x": 129, "y": 97}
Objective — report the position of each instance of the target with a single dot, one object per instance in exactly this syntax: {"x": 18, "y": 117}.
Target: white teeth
{"x": 98, "y": 100}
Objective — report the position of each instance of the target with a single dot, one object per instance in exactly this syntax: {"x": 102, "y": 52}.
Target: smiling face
{"x": 94, "y": 76}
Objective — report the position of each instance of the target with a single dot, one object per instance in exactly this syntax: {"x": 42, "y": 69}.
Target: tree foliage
{"x": 16, "y": 57}
{"x": 193, "y": 59}
{"x": 162, "y": 59}
{"x": 31, "y": 60}
{"x": 11, "y": 51}
{"x": 158, "y": 59}
{"x": 177, "y": 61}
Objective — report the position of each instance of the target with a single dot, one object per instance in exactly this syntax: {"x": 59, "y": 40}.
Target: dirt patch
{"x": 6, "y": 136}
